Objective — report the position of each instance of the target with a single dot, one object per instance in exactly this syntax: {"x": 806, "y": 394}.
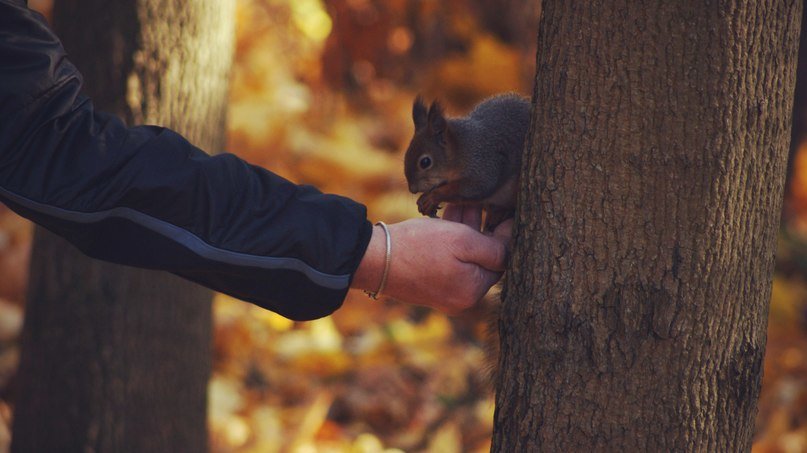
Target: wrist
{"x": 387, "y": 259}
{"x": 371, "y": 268}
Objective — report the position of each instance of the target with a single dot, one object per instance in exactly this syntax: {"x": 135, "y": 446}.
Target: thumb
{"x": 485, "y": 251}
{"x": 504, "y": 231}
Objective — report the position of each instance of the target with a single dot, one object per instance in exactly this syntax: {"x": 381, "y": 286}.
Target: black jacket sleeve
{"x": 144, "y": 196}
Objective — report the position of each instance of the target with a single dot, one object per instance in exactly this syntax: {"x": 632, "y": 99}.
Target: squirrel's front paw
{"x": 428, "y": 205}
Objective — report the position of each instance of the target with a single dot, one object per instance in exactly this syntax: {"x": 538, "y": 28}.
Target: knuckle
{"x": 462, "y": 244}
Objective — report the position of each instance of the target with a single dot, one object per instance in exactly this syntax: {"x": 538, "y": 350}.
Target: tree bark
{"x": 635, "y": 310}
{"x": 116, "y": 358}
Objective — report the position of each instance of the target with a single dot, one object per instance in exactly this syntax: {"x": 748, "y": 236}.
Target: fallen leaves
{"x": 329, "y": 385}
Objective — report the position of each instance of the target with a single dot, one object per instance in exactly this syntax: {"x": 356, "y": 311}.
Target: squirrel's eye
{"x": 425, "y": 162}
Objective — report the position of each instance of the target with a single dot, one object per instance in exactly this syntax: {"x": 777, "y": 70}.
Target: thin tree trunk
{"x": 115, "y": 358}
{"x": 634, "y": 314}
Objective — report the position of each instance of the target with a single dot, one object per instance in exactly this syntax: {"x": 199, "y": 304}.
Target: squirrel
{"x": 473, "y": 159}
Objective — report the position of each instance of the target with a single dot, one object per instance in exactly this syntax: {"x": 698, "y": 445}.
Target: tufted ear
{"x": 419, "y": 115}
{"x": 437, "y": 121}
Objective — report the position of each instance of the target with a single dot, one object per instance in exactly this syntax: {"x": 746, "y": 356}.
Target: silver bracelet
{"x": 387, "y": 260}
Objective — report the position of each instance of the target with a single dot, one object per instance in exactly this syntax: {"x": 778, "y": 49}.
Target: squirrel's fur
{"x": 473, "y": 159}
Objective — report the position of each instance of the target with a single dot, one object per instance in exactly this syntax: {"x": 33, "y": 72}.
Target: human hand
{"x": 447, "y": 265}
{"x": 471, "y": 215}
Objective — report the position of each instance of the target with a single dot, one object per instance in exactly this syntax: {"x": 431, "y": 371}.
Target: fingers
{"x": 477, "y": 281}
{"x": 483, "y": 281}
{"x": 472, "y": 216}
{"x": 504, "y": 231}
{"x": 489, "y": 279}
{"x": 452, "y": 212}
{"x": 486, "y": 251}
{"x": 468, "y": 215}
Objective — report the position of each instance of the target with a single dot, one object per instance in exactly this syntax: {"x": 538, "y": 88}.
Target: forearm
{"x": 371, "y": 268}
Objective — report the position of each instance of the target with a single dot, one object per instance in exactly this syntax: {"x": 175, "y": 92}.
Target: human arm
{"x": 144, "y": 196}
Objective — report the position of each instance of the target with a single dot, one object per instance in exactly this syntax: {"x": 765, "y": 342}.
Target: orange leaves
{"x": 15, "y": 247}
{"x": 385, "y": 381}
{"x": 489, "y": 67}
{"x": 782, "y": 418}
{"x": 796, "y": 199}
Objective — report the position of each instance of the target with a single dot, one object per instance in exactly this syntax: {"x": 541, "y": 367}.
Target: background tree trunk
{"x": 635, "y": 311}
{"x": 115, "y": 358}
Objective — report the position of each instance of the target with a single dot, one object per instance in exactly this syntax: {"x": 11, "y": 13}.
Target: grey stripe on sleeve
{"x": 185, "y": 238}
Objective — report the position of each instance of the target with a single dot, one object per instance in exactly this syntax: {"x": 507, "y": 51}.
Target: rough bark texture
{"x": 634, "y": 314}
{"x": 115, "y": 358}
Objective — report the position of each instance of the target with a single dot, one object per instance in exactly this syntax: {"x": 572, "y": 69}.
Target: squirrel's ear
{"x": 419, "y": 114}
{"x": 437, "y": 121}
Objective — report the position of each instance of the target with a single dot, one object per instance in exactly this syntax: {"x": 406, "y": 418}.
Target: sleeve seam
{"x": 185, "y": 238}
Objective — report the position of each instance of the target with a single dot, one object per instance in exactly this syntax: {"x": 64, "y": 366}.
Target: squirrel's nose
{"x": 412, "y": 188}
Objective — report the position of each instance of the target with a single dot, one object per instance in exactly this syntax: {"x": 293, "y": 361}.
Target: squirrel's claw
{"x": 428, "y": 205}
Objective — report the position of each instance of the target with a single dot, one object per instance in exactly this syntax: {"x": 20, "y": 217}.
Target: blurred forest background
{"x": 321, "y": 93}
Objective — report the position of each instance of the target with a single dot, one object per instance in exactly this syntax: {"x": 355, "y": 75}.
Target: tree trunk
{"x": 115, "y": 358}
{"x": 635, "y": 310}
